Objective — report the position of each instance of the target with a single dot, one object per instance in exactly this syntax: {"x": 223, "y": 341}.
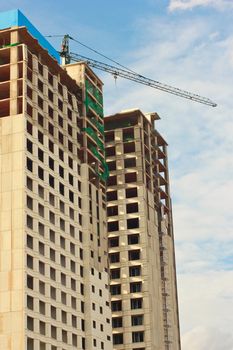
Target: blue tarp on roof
{"x": 16, "y": 18}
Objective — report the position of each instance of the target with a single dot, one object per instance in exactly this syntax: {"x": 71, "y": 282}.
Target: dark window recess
{"x": 29, "y": 164}
{"x": 128, "y": 135}
{"x": 40, "y": 85}
{"x": 29, "y": 282}
{"x": 30, "y": 343}
{"x": 30, "y": 323}
{"x": 29, "y": 241}
{"x": 71, "y": 196}
{"x": 51, "y": 163}
{"x": 129, "y": 147}
{"x": 116, "y": 305}
{"x": 114, "y": 257}
{"x": 61, "y": 154}
{"x": 40, "y": 119}
{"x": 29, "y": 146}
{"x": 60, "y": 121}
{"x": 30, "y": 261}
{"x": 112, "y": 181}
{"x": 133, "y": 239}
{"x": 40, "y": 173}
{"x": 135, "y": 287}
{"x": 29, "y": 222}
{"x": 112, "y": 165}
{"x": 133, "y": 223}
{"x": 115, "y": 273}
{"x": 134, "y": 254}
{"x": 29, "y": 183}
{"x": 131, "y": 177}
{"x": 135, "y": 271}
{"x": 61, "y": 171}
{"x": 132, "y": 208}
{"x": 109, "y": 136}
{"x": 113, "y": 242}
{"x": 136, "y": 303}
{"x": 113, "y": 226}
{"x": 29, "y": 202}
{"x": 51, "y": 181}
{"x": 117, "y": 338}
{"x": 111, "y": 196}
{"x": 40, "y": 155}
{"x": 30, "y": 302}
{"x": 50, "y": 94}
{"x": 131, "y": 192}
{"x": 117, "y": 322}
{"x": 115, "y": 289}
{"x": 51, "y": 146}
{"x": 136, "y": 320}
{"x": 130, "y": 163}
{"x": 40, "y": 137}
{"x": 29, "y": 128}
{"x": 137, "y": 337}
{"x": 111, "y": 211}
{"x": 110, "y": 151}
{"x": 51, "y": 129}
{"x": 41, "y": 191}
{"x": 61, "y": 189}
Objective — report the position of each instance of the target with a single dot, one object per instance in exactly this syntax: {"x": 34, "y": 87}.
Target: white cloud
{"x": 208, "y": 296}
{"x": 189, "y": 4}
{"x": 202, "y": 338}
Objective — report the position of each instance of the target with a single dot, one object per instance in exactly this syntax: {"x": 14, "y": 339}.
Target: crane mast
{"x": 67, "y": 57}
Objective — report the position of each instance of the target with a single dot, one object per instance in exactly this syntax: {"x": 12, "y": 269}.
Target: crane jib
{"x": 128, "y": 74}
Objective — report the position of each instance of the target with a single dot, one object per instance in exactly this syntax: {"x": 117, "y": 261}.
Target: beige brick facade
{"x": 53, "y": 270}
{"x": 141, "y": 246}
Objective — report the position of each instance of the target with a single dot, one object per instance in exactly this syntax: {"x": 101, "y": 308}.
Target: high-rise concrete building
{"x": 54, "y": 265}
{"x": 53, "y": 249}
{"x": 140, "y": 235}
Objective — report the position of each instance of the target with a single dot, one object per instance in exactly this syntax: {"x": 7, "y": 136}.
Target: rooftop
{"x": 15, "y": 18}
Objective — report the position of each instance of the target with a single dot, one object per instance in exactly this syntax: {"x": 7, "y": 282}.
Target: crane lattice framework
{"x": 67, "y": 57}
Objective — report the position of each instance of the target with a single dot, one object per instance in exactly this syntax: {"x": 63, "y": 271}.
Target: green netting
{"x": 94, "y": 91}
{"x": 98, "y": 96}
{"x": 99, "y": 126}
{"x": 103, "y": 176}
{"x": 90, "y": 87}
{"x": 92, "y": 133}
{"x": 95, "y": 106}
{"x": 10, "y": 45}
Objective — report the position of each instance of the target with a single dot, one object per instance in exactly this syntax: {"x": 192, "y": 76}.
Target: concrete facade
{"x": 53, "y": 270}
{"x": 141, "y": 244}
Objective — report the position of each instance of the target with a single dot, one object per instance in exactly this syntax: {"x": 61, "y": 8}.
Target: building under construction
{"x": 86, "y": 236}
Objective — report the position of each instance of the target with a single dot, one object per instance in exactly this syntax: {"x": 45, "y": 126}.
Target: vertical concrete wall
{"x": 12, "y": 187}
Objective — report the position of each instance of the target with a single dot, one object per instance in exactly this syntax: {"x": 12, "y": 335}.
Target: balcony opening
{"x": 129, "y": 147}
{"x": 133, "y": 223}
{"x": 130, "y": 162}
{"x": 113, "y": 226}
{"x": 112, "y": 211}
{"x": 131, "y": 192}
{"x": 132, "y": 208}
{"x": 130, "y": 177}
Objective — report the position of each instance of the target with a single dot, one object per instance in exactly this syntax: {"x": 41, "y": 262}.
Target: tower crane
{"x": 68, "y": 57}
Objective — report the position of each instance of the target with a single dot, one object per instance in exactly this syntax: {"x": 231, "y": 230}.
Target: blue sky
{"x": 188, "y": 44}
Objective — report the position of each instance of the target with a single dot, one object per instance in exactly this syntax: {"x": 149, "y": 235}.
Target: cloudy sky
{"x": 188, "y": 44}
